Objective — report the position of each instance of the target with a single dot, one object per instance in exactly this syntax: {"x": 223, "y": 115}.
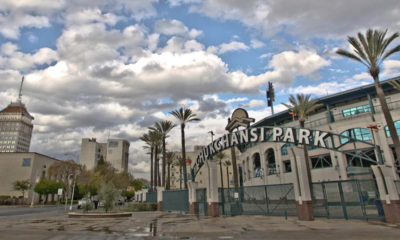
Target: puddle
{"x": 150, "y": 231}
{"x": 225, "y": 237}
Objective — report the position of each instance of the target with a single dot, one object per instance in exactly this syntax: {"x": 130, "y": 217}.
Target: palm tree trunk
{"x": 169, "y": 176}
{"x": 184, "y": 154}
{"x": 307, "y": 162}
{"x": 388, "y": 116}
{"x": 158, "y": 171}
{"x": 180, "y": 177}
{"x": 227, "y": 175}
{"x": 155, "y": 165}
{"x": 163, "y": 163}
{"x": 235, "y": 173}
{"x": 222, "y": 177}
{"x": 151, "y": 169}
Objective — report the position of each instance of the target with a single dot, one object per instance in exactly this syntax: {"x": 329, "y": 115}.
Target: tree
{"x": 180, "y": 163}
{"x": 108, "y": 193}
{"x": 169, "y": 159}
{"x": 220, "y": 156}
{"x": 227, "y": 164}
{"x": 137, "y": 184}
{"x": 163, "y": 127}
{"x": 155, "y": 140}
{"x": 184, "y": 115}
{"x": 370, "y": 50}
{"x": 302, "y": 106}
{"x": 22, "y": 186}
{"x": 146, "y": 138}
{"x": 46, "y": 187}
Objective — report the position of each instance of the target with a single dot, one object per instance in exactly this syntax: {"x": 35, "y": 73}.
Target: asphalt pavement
{"x": 23, "y": 210}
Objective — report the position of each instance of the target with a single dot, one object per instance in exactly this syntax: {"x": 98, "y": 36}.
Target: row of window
{"x": 356, "y": 110}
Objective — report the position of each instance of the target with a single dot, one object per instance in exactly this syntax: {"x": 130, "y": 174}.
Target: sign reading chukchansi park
{"x": 262, "y": 134}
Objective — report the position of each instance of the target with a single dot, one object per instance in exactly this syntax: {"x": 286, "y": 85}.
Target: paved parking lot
{"x": 161, "y": 225}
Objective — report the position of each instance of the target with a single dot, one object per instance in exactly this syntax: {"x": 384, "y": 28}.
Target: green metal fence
{"x": 176, "y": 200}
{"x": 151, "y": 197}
{"x": 201, "y": 201}
{"x": 352, "y": 199}
{"x": 271, "y": 200}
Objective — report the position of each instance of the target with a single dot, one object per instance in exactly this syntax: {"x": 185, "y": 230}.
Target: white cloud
{"x": 173, "y": 27}
{"x": 304, "y": 17}
{"x": 232, "y": 46}
{"x": 255, "y": 43}
{"x": 391, "y": 68}
{"x": 256, "y": 103}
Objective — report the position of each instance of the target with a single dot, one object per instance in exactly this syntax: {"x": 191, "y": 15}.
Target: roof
{"x": 16, "y": 107}
{"x": 330, "y": 100}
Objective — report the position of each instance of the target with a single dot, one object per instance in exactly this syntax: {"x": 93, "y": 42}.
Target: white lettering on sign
{"x": 276, "y": 132}
{"x": 253, "y": 135}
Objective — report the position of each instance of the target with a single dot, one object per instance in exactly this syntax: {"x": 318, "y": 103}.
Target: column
{"x": 381, "y": 140}
{"x": 192, "y": 187}
{"x": 388, "y": 192}
{"x": 212, "y": 189}
{"x": 301, "y": 186}
{"x": 159, "y": 198}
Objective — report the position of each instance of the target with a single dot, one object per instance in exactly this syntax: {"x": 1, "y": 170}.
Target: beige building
{"x": 22, "y": 166}
{"x": 15, "y": 128}
{"x": 115, "y": 151}
{"x": 118, "y": 153}
{"x": 91, "y": 152}
{"x": 348, "y": 114}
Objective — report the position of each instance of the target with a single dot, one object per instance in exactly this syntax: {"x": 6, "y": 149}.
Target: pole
{"x": 73, "y": 191}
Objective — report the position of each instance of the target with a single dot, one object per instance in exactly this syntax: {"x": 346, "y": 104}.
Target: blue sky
{"x": 103, "y": 67}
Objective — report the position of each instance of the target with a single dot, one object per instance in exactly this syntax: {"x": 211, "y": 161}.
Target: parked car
{"x": 83, "y": 202}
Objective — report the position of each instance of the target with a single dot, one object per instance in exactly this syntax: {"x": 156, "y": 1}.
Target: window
{"x": 284, "y": 148}
{"x": 356, "y": 110}
{"x": 362, "y": 134}
{"x": 361, "y": 158}
{"x": 26, "y": 162}
{"x": 113, "y": 144}
{"x": 396, "y": 125}
{"x": 288, "y": 167}
{"x": 322, "y": 161}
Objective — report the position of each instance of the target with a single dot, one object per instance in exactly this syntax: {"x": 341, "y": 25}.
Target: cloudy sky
{"x": 114, "y": 67}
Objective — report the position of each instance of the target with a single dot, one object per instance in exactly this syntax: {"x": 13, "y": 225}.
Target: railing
{"x": 339, "y": 116}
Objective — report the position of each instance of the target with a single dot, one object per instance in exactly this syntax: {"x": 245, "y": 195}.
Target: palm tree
{"x": 302, "y": 106}
{"x": 169, "y": 159}
{"x": 370, "y": 50}
{"x": 146, "y": 138}
{"x": 163, "y": 128}
{"x": 227, "y": 164}
{"x": 221, "y": 156}
{"x": 184, "y": 115}
{"x": 155, "y": 139}
{"x": 180, "y": 163}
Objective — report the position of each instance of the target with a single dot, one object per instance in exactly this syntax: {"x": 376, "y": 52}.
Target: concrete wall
{"x": 11, "y": 170}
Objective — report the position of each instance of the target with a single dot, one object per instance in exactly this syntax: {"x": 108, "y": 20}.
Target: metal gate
{"x": 352, "y": 199}
{"x": 201, "y": 201}
{"x": 176, "y": 200}
{"x": 151, "y": 197}
{"x": 270, "y": 200}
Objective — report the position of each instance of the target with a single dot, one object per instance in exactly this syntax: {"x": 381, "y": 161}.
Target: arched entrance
{"x": 270, "y": 161}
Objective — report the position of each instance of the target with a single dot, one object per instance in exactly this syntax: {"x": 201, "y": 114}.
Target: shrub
{"x": 140, "y": 207}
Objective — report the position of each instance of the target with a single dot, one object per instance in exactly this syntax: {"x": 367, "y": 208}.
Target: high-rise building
{"x": 91, "y": 152}
{"x": 118, "y": 153}
{"x": 115, "y": 151}
{"x": 15, "y": 128}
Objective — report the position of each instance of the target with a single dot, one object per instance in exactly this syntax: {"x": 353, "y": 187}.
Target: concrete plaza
{"x": 161, "y": 225}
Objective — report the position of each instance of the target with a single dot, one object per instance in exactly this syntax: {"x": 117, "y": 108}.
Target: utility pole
{"x": 270, "y": 96}
{"x": 212, "y": 135}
